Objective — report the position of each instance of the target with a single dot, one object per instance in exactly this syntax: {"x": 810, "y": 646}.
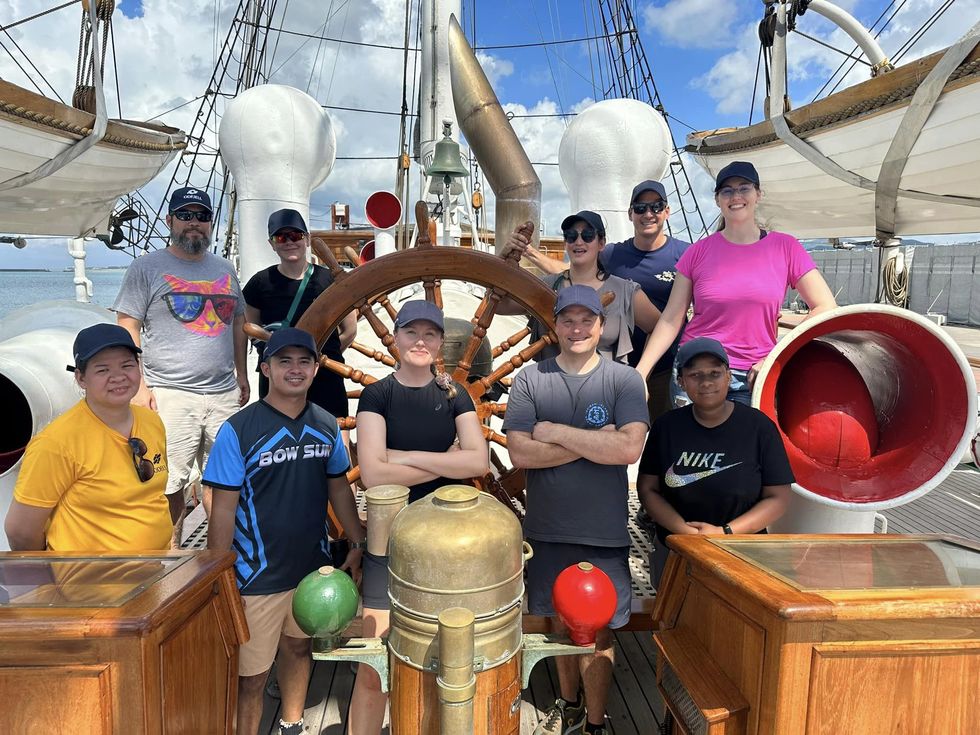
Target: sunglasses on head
{"x": 587, "y": 235}
{"x": 187, "y": 307}
{"x": 655, "y": 207}
{"x": 185, "y": 215}
{"x": 288, "y": 236}
{"x": 144, "y": 467}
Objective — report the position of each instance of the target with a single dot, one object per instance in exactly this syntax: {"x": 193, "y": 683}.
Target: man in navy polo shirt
{"x": 273, "y": 468}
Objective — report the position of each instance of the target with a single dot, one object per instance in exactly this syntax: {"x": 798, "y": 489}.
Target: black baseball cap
{"x": 286, "y": 218}
{"x": 579, "y": 295}
{"x": 289, "y": 337}
{"x": 189, "y": 195}
{"x": 412, "y": 311}
{"x": 741, "y": 169}
{"x": 648, "y": 185}
{"x": 700, "y": 346}
{"x": 592, "y": 219}
{"x": 92, "y": 340}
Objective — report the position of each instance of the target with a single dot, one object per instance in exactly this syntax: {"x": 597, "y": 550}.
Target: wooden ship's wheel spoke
{"x": 373, "y": 354}
{"x": 373, "y": 282}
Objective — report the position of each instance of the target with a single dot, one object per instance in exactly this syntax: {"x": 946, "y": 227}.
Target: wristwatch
{"x": 727, "y": 529}
{"x": 363, "y": 544}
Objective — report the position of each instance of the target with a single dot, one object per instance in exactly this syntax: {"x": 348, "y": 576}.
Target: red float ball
{"x": 585, "y": 599}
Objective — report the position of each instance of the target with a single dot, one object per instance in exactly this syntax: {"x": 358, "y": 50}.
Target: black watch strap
{"x": 363, "y": 544}
{"x": 727, "y": 529}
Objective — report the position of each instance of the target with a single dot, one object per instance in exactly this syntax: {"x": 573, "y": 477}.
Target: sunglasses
{"x": 281, "y": 238}
{"x": 587, "y": 235}
{"x": 644, "y": 207}
{"x": 144, "y": 467}
{"x": 186, "y": 216}
{"x": 187, "y": 307}
{"x": 727, "y": 192}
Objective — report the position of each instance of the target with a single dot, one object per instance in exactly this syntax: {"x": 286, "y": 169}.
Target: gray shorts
{"x": 550, "y": 559}
{"x": 374, "y": 582}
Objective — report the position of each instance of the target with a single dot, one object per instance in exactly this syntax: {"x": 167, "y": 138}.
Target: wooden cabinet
{"x": 111, "y": 644}
{"x": 820, "y": 634}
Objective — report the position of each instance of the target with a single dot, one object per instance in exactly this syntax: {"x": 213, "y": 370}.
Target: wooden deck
{"x": 635, "y": 705}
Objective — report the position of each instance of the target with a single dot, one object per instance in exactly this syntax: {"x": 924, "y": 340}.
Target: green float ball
{"x": 324, "y": 603}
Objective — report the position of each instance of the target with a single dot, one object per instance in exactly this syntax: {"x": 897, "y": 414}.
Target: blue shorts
{"x": 374, "y": 582}
{"x": 550, "y": 559}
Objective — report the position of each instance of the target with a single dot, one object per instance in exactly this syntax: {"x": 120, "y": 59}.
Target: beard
{"x": 191, "y": 243}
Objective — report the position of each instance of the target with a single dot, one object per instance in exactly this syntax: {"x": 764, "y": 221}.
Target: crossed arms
{"x": 550, "y": 444}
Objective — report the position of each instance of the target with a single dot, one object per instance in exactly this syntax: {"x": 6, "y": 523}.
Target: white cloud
{"x": 692, "y": 23}
{"x": 495, "y": 68}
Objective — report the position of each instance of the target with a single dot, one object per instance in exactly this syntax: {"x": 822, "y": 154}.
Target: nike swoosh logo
{"x": 672, "y": 479}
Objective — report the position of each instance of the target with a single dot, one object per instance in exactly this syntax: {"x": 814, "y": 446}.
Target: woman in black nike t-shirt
{"x": 414, "y": 428}
{"x": 712, "y": 467}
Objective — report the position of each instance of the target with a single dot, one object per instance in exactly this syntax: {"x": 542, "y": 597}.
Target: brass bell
{"x": 446, "y": 163}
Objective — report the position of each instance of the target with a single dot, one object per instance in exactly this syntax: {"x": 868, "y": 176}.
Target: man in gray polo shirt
{"x": 575, "y": 422}
{"x": 184, "y": 307}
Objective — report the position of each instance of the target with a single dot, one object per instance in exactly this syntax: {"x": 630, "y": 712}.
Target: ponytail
{"x": 445, "y": 381}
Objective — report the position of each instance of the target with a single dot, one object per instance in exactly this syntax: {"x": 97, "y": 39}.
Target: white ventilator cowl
{"x": 606, "y": 151}
{"x": 279, "y": 145}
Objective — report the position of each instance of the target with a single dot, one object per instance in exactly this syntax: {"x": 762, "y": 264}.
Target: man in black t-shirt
{"x": 714, "y": 466}
{"x": 274, "y": 466}
{"x": 270, "y": 294}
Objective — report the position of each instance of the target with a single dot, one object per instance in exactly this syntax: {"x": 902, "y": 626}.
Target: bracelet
{"x": 727, "y": 529}
{"x": 357, "y": 544}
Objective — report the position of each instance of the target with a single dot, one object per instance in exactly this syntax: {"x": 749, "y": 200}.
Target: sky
{"x": 702, "y": 53}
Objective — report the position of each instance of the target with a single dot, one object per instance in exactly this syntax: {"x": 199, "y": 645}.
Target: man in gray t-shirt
{"x": 575, "y": 422}
{"x": 184, "y": 307}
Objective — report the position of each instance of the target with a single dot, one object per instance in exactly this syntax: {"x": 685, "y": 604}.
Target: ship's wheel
{"x": 369, "y": 285}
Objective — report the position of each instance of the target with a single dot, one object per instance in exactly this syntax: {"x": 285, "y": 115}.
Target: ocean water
{"x": 23, "y": 288}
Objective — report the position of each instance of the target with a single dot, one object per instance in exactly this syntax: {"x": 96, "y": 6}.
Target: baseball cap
{"x": 579, "y": 295}
{"x": 742, "y": 169}
{"x": 648, "y": 185}
{"x": 92, "y": 340}
{"x": 700, "y": 346}
{"x": 289, "y": 337}
{"x": 412, "y": 311}
{"x": 189, "y": 195}
{"x": 592, "y": 219}
{"x": 283, "y": 218}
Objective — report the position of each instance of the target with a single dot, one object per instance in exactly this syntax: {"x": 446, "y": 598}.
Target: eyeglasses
{"x": 587, "y": 235}
{"x": 185, "y": 215}
{"x": 712, "y": 376}
{"x": 655, "y": 207}
{"x": 144, "y": 467}
{"x": 187, "y": 307}
{"x": 727, "y": 192}
{"x": 280, "y": 238}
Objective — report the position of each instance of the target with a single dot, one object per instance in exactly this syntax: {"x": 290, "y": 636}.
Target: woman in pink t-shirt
{"x": 737, "y": 280}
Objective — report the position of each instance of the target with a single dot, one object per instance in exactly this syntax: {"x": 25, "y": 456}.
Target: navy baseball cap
{"x": 92, "y": 340}
{"x": 700, "y": 346}
{"x": 741, "y": 169}
{"x": 579, "y": 295}
{"x": 592, "y": 219}
{"x": 289, "y": 337}
{"x": 286, "y": 218}
{"x": 189, "y": 195}
{"x": 412, "y": 311}
{"x": 648, "y": 185}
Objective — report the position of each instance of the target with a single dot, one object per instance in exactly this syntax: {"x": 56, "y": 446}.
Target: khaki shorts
{"x": 268, "y": 616}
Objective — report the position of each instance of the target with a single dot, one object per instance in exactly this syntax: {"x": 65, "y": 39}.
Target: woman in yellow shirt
{"x": 94, "y": 478}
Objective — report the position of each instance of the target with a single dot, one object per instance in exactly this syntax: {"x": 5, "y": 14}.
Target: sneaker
{"x": 293, "y": 728}
{"x": 563, "y": 717}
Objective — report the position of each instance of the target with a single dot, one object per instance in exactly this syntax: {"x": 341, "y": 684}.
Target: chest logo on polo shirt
{"x": 694, "y": 460}
{"x": 597, "y": 415}
{"x": 298, "y": 451}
